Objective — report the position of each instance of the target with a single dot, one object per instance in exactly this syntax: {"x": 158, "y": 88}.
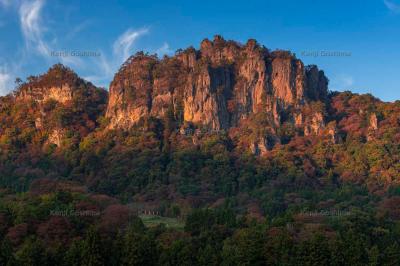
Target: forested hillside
{"x": 227, "y": 155}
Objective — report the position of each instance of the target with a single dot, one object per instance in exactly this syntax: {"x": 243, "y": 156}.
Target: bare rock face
{"x": 252, "y": 83}
{"x": 206, "y": 94}
{"x": 288, "y": 78}
{"x": 61, "y": 94}
{"x": 373, "y": 122}
{"x": 372, "y": 127}
{"x": 263, "y": 145}
{"x": 56, "y": 137}
{"x": 131, "y": 91}
{"x": 188, "y": 58}
{"x": 218, "y": 86}
{"x": 316, "y": 125}
{"x": 59, "y": 83}
{"x": 333, "y": 133}
{"x": 298, "y": 119}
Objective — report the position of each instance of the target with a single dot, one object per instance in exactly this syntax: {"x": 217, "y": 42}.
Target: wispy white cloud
{"x": 104, "y": 68}
{"x": 5, "y": 81}
{"x": 347, "y": 81}
{"x": 392, "y": 6}
{"x": 342, "y": 82}
{"x": 30, "y": 14}
{"x": 165, "y": 49}
{"x": 32, "y": 29}
{"x": 100, "y": 69}
{"x": 123, "y": 45}
{"x": 72, "y": 61}
{"x": 8, "y": 74}
{"x": 121, "y": 50}
{"x": 77, "y": 29}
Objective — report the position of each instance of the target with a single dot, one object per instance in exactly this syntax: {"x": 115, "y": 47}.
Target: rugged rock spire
{"x": 217, "y": 86}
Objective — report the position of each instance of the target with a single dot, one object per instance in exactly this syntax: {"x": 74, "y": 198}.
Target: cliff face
{"x": 59, "y": 84}
{"x": 62, "y": 94}
{"x": 218, "y": 86}
{"x": 131, "y": 92}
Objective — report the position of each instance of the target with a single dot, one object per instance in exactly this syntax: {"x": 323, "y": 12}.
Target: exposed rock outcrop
{"x": 333, "y": 132}
{"x": 373, "y": 122}
{"x": 56, "y": 137}
{"x": 217, "y": 86}
{"x": 263, "y": 145}
{"x": 372, "y": 127}
{"x": 61, "y": 94}
{"x": 315, "y": 125}
{"x": 60, "y": 101}
{"x": 59, "y": 83}
{"x": 131, "y": 91}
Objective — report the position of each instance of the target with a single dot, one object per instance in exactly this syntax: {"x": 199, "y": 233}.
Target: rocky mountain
{"x": 207, "y": 157}
{"x": 259, "y": 97}
{"x": 253, "y": 100}
{"x": 222, "y": 86}
{"x": 218, "y": 86}
{"x": 59, "y": 83}
{"x": 57, "y": 104}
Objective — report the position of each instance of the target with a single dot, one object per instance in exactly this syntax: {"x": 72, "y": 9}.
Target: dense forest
{"x": 75, "y": 192}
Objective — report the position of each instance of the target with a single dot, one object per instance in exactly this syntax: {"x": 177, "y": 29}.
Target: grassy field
{"x": 153, "y": 220}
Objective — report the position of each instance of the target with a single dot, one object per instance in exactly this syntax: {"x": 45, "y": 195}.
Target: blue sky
{"x": 366, "y": 32}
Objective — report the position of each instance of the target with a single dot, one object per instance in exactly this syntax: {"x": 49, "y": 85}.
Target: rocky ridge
{"x": 259, "y": 97}
{"x": 220, "y": 86}
{"x": 217, "y": 86}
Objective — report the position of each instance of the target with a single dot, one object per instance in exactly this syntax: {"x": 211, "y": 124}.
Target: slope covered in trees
{"x": 315, "y": 183}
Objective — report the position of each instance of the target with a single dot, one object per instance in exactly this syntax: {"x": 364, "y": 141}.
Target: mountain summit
{"x": 218, "y": 86}
{"x": 59, "y": 83}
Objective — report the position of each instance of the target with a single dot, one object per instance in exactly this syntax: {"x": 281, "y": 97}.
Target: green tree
{"x": 315, "y": 251}
{"x": 31, "y": 253}
{"x": 181, "y": 252}
{"x": 392, "y": 255}
{"x": 74, "y": 256}
{"x": 245, "y": 247}
{"x": 139, "y": 249}
{"x": 6, "y": 253}
{"x": 199, "y": 220}
{"x": 373, "y": 256}
{"x": 93, "y": 251}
